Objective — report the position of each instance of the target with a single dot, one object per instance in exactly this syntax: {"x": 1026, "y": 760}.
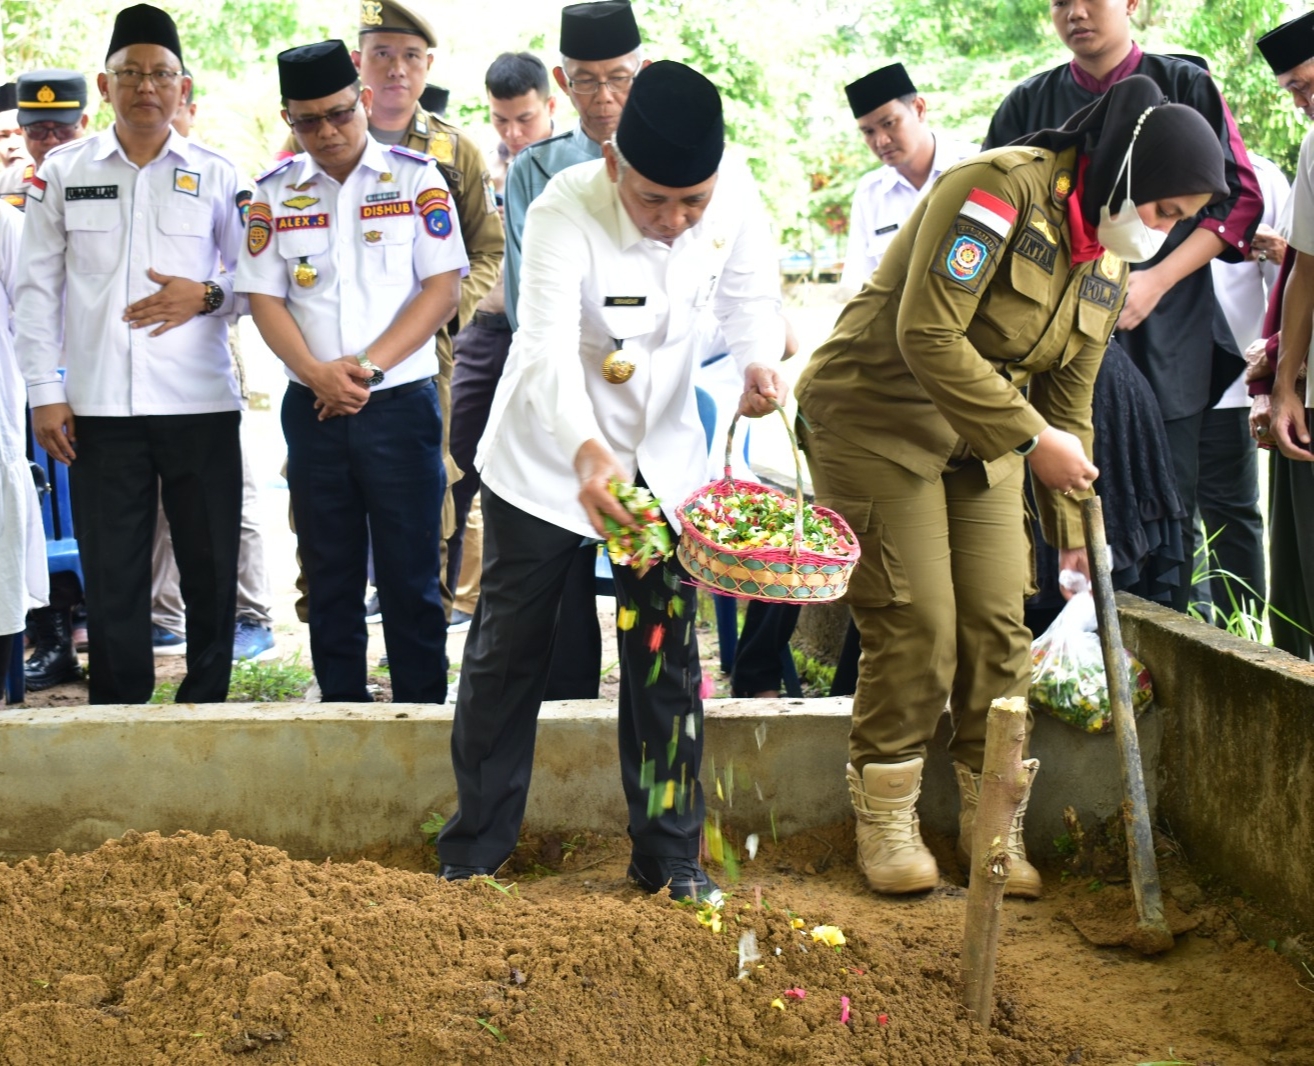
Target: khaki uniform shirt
{"x": 976, "y": 332}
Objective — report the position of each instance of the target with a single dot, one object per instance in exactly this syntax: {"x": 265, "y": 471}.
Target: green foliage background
{"x": 782, "y": 65}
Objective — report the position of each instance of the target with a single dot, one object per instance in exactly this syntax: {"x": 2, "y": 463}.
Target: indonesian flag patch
{"x": 968, "y": 249}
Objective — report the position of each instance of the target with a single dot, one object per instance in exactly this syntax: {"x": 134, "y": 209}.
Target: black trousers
{"x": 504, "y": 674}
{"x": 1227, "y": 496}
{"x": 1291, "y": 553}
{"x": 124, "y": 468}
{"x": 576, "y": 665}
{"x": 1184, "y": 446}
{"x": 375, "y": 476}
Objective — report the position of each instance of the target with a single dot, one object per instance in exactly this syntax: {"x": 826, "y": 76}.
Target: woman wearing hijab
{"x": 969, "y": 355}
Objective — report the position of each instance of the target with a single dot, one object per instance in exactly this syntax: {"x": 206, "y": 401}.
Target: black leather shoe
{"x": 53, "y": 660}
{"x": 451, "y": 872}
{"x": 687, "y": 880}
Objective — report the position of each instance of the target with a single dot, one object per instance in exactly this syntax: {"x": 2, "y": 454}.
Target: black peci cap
{"x": 672, "y": 130}
{"x": 602, "y": 30}
{"x": 313, "y": 71}
{"x": 143, "y": 24}
{"x": 1290, "y": 45}
{"x": 878, "y": 88}
{"x": 8, "y": 96}
{"x": 51, "y": 96}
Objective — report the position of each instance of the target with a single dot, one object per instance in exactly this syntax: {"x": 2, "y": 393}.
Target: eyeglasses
{"x": 337, "y": 117}
{"x": 132, "y": 79}
{"x": 619, "y": 83}
{"x": 44, "y": 131}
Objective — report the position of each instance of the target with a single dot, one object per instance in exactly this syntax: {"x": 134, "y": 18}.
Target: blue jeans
{"x": 375, "y": 474}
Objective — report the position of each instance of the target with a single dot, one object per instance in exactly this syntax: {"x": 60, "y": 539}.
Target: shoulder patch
{"x": 409, "y": 153}
{"x": 277, "y": 168}
{"x": 1010, "y": 158}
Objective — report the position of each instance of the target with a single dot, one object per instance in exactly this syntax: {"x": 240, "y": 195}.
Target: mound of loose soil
{"x": 194, "y": 949}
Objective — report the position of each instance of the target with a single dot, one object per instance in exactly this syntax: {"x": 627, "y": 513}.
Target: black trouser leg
{"x": 1184, "y": 445}
{"x": 1227, "y": 495}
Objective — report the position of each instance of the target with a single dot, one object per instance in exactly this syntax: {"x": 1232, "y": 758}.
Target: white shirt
{"x": 882, "y": 202}
{"x": 591, "y": 283}
{"x": 1242, "y": 288}
{"x": 24, "y": 581}
{"x": 1302, "y": 220}
{"x": 369, "y": 242}
{"x": 95, "y": 224}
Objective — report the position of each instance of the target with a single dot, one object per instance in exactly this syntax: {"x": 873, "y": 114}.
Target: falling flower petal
{"x": 748, "y": 953}
{"x": 706, "y": 687}
{"x": 751, "y": 844}
{"x": 829, "y": 934}
{"x": 796, "y": 923}
{"x": 796, "y": 993}
{"x": 626, "y": 617}
{"x": 882, "y": 1019}
{"x": 844, "y": 1010}
{"x": 655, "y": 635}
{"x": 779, "y": 1004}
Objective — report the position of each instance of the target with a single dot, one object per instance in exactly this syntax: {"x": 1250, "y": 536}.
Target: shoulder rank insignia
{"x": 408, "y": 153}
{"x": 29, "y": 172}
{"x": 15, "y": 199}
{"x": 277, "y": 168}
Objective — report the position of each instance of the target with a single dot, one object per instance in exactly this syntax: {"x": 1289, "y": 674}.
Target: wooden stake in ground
{"x": 1153, "y": 935}
{"x": 1004, "y": 782}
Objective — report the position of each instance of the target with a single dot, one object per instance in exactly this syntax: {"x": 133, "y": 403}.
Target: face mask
{"x": 1124, "y": 234}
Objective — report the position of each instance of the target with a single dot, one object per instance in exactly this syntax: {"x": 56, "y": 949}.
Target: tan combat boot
{"x": 890, "y": 848}
{"x": 1023, "y": 878}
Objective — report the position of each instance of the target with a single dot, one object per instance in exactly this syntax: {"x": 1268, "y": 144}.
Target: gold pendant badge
{"x": 617, "y": 369}
{"x": 305, "y": 274}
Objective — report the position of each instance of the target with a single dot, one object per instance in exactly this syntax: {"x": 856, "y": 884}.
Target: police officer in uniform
{"x": 51, "y": 111}
{"x": 150, "y": 407}
{"x": 623, "y": 257}
{"x": 1005, "y": 278}
{"x": 353, "y": 260}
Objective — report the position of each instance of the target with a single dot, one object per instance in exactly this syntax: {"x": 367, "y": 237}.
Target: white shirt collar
{"x": 109, "y": 144}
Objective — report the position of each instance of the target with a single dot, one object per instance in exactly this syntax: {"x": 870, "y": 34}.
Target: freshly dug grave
{"x": 196, "y": 949}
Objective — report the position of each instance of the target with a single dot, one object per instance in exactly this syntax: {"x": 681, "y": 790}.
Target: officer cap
{"x": 143, "y": 24}
{"x": 8, "y": 96}
{"x": 388, "y": 16}
{"x": 878, "y": 88}
{"x": 602, "y": 30}
{"x": 313, "y": 71}
{"x": 672, "y": 131}
{"x": 434, "y": 99}
{"x": 51, "y": 96}
{"x": 1290, "y": 45}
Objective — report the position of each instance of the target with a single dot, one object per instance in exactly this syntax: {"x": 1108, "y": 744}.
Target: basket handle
{"x": 798, "y": 470}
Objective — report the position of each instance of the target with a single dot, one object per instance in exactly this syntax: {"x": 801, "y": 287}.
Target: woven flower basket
{"x": 793, "y": 574}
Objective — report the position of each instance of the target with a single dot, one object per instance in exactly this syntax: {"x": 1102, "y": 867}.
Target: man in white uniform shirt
{"x": 621, "y": 258}
{"x": 353, "y": 260}
{"x": 891, "y": 117}
{"x": 150, "y": 405}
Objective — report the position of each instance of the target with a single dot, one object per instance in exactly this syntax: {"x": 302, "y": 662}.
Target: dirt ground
{"x": 195, "y": 950}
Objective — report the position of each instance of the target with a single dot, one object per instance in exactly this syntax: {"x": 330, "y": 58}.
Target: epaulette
{"x": 410, "y": 153}
{"x": 549, "y": 140}
{"x": 277, "y": 168}
{"x": 1014, "y": 156}
{"x": 75, "y": 143}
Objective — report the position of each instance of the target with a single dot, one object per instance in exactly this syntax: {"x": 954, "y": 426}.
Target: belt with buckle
{"x": 377, "y": 396}
{"x": 498, "y": 323}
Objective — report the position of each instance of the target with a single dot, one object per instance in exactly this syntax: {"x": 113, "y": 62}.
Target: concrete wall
{"x": 319, "y": 780}
{"x": 1237, "y": 766}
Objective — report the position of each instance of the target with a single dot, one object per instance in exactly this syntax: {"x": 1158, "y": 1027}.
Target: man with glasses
{"x": 353, "y": 261}
{"x": 51, "y": 111}
{"x": 149, "y": 406}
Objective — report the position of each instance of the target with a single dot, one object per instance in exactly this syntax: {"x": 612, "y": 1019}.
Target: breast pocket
{"x": 184, "y": 248}
{"x": 389, "y": 250}
{"x": 1017, "y": 309}
{"x": 307, "y": 248}
{"x": 95, "y": 236}
{"x": 629, "y": 321}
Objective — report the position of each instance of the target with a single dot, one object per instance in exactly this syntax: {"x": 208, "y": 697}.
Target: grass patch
{"x": 273, "y": 681}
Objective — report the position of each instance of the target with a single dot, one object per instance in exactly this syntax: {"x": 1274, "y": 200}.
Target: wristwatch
{"x": 214, "y": 297}
{"x": 364, "y": 360}
{"x": 1027, "y": 447}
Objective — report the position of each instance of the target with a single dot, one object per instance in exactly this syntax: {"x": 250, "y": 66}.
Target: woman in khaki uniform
{"x": 970, "y": 354}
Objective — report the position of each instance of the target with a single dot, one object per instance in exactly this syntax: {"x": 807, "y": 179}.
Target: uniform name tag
{"x": 283, "y": 223}
{"x": 380, "y": 197}
{"x": 624, "y": 301}
{"x": 1099, "y": 291}
{"x": 401, "y": 207}
{"x": 887, "y": 229}
{"x": 91, "y": 192}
